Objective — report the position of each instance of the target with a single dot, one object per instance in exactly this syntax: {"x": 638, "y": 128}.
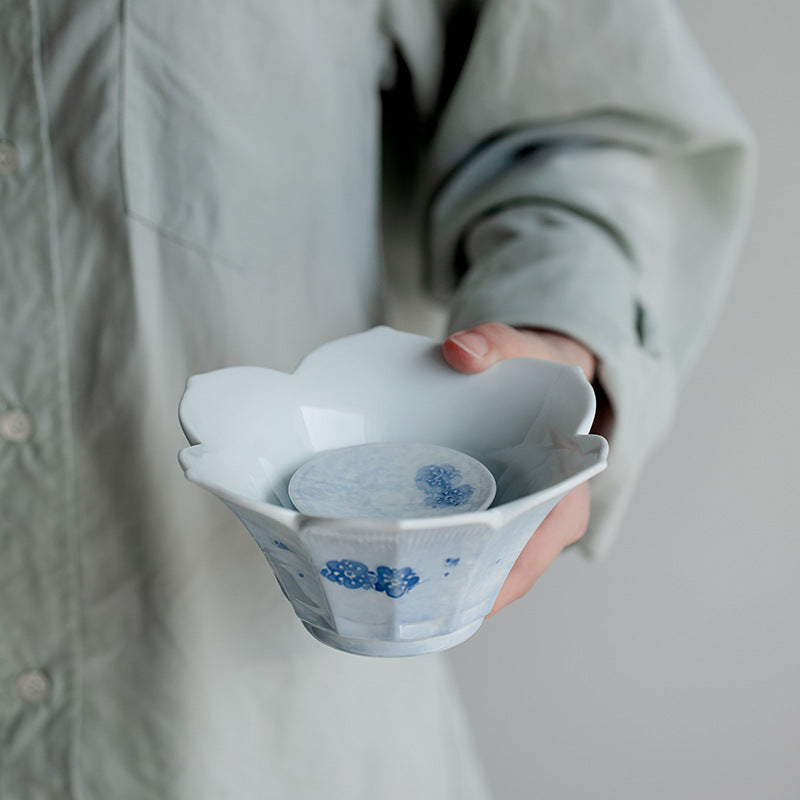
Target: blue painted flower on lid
{"x": 437, "y": 481}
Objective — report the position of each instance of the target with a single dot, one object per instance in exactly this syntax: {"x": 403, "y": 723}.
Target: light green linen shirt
{"x": 190, "y": 184}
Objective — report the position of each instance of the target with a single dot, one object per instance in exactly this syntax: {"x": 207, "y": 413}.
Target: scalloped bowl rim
{"x": 494, "y": 516}
{"x": 192, "y": 456}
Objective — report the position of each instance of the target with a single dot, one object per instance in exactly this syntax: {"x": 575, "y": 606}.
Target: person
{"x": 188, "y": 185}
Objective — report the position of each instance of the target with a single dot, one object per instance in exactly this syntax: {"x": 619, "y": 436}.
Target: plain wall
{"x": 672, "y": 670}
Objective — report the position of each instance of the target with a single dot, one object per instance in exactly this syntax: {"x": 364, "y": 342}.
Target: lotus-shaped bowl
{"x": 390, "y": 587}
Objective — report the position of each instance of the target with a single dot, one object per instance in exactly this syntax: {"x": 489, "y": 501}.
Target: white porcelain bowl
{"x": 390, "y": 587}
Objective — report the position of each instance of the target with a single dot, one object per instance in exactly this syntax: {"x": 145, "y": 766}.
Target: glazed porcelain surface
{"x": 395, "y": 480}
{"x": 390, "y": 586}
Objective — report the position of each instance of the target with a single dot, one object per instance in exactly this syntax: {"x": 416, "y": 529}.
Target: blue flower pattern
{"x": 355, "y": 575}
{"x": 437, "y": 481}
{"x": 350, "y": 574}
{"x": 395, "y": 582}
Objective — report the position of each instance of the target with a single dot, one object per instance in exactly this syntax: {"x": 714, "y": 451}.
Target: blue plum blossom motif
{"x": 436, "y": 477}
{"x": 350, "y": 574}
{"x": 355, "y": 575}
{"x": 437, "y": 481}
{"x": 396, "y": 582}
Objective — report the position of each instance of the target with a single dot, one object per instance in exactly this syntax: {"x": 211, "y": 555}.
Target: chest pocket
{"x": 244, "y": 123}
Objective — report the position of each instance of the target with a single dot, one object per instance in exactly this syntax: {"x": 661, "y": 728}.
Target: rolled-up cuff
{"x": 542, "y": 267}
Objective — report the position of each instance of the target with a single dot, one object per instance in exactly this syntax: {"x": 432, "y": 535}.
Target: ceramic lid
{"x": 391, "y": 480}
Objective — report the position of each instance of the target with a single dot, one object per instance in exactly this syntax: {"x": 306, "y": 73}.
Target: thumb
{"x": 476, "y": 349}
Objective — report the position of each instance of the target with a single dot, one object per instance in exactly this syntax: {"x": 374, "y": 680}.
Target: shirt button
{"x": 16, "y": 425}
{"x": 9, "y": 157}
{"x": 33, "y": 686}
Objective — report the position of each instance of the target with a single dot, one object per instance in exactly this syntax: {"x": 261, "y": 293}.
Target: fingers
{"x": 476, "y": 349}
{"x": 563, "y": 526}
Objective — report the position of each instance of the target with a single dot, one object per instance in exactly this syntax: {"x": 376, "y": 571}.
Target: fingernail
{"x": 475, "y": 344}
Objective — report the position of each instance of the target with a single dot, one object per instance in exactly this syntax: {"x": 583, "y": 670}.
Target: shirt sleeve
{"x": 587, "y": 173}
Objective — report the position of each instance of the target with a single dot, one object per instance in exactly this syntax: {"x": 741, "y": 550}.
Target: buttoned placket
{"x": 38, "y": 568}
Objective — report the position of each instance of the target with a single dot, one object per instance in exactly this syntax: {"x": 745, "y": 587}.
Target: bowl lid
{"x": 398, "y": 480}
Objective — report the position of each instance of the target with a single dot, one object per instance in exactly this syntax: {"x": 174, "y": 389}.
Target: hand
{"x": 476, "y": 349}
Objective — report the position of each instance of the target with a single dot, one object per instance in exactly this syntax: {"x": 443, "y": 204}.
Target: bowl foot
{"x": 384, "y": 648}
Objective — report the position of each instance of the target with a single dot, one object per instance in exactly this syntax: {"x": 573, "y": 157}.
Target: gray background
{"x": 672, "y": 670}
